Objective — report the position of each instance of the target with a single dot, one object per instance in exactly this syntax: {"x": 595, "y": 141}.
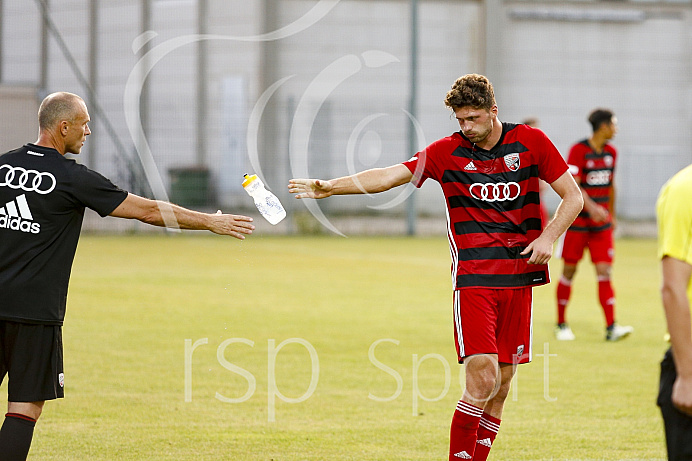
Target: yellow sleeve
{"x": 674, "y": 213}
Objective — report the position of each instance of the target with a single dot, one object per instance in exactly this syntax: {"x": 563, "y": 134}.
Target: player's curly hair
{"x": 472, "y": 90}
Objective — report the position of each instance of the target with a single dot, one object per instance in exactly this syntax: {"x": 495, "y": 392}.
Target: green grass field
{"x": 134, "y": 389}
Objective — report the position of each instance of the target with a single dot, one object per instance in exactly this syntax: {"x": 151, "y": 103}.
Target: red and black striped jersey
{"x": 593, "y": 171}
{"x": 493, "y": 203}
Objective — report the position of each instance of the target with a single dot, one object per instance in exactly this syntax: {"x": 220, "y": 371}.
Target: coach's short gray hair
{"x": 57, "y": 107}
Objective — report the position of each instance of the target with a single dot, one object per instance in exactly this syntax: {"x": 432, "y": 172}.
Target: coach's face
{"x": 77, "y": 130}
{"x": 476, "y": 124}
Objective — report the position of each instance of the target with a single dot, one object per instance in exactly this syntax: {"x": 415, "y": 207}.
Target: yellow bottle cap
{"x": 248, "y": 179}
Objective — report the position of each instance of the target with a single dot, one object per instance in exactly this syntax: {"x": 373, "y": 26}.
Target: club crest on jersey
{"x": 512, "y": 161}
{"x": 608, "y": 160}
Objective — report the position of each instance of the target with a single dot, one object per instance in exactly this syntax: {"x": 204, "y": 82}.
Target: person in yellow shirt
{"x": 674, "y": 214}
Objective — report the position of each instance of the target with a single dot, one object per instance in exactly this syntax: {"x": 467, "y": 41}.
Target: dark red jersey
{"x": 493, "y": 203}
{"x": 593, "y": 171}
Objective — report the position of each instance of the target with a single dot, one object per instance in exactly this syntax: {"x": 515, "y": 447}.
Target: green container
{"x": 190, "y": 186}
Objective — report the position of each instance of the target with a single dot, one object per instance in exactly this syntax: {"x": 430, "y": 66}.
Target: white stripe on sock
{"x": 489, "y": 425}
{"x": 469, "y": 409}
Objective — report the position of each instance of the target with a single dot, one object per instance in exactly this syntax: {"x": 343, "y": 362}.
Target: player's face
{"x": 77, "y": 131}
{"x": 612, "y": 128}
{"x": 476, "y": 124}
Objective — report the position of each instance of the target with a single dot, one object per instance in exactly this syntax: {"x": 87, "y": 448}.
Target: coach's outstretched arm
{"x": 150, "y": 212}
{"x": 365, "y": 182}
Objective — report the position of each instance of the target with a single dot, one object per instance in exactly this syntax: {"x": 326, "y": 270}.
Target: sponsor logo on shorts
{"x": 16, "y": 216}
{"x": 61, "y": 379}
{"x": 520, "y": 350}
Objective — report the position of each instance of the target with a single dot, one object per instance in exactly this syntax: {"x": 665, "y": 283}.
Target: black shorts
{"x": 677, "y": 424}
{"x": 32, "y": 357}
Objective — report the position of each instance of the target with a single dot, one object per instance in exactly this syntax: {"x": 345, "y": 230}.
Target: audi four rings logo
{"x": 495, "y": 192}
{"x": 16, "y": 177}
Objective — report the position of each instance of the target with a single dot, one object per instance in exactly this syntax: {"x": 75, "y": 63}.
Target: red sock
{"x": 464, "y": 432}
{"x": 487, "y": 431}
{"x": 564, "y": 290}
{"x": 606, "y": 296}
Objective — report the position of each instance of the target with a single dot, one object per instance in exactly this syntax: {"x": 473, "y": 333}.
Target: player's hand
{"x": 541, "y": 251}
{"x": 598, "y": 213}
{"x": 682, "y": 395}
{"x": 234, "y": 225}
{"x": 310, "y": 188}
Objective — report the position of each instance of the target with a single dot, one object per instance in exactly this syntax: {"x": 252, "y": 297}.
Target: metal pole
{"x": 93, "y": 70}
{"x": 144, "y": 95}
{"x": 43, "y": 78}
{"x": 268, "y": 74}
{"x": 412, "y": 108}
{"x": 202, "y": 8}
{"x": 2, "y": 16}
{"x": 492, "y": 39}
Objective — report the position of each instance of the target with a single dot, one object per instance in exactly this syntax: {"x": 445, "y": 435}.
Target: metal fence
{"x": 187, "y": 95}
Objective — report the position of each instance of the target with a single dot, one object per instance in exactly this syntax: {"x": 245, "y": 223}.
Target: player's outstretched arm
{"x": 310, "y": 188}
{"x": 366, "y": 182}
{"x": 153, "y": 212}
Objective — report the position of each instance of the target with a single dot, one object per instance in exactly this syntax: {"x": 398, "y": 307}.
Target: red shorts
{"x": 571, "y": 246}
{"x": 494, "y": 321}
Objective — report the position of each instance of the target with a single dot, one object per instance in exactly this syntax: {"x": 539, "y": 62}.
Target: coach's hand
{"x": 228, "y": 224}
{"x": 310, "y": 188}
{"x": 541, "y": 251}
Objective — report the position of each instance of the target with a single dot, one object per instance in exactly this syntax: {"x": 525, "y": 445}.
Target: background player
{"x": 42, "y": 200}
{"x": 674, "y": 212}
{"x": 592, "y": 163}
{"x": 489, "y": 173}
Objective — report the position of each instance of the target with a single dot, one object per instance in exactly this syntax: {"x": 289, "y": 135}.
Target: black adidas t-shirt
{"x": 42, "y": 200}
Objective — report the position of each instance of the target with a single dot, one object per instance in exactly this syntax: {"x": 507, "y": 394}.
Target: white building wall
{"x": 446, "y": 51}
{"x": 21, "y": 42}
{"x": 561, "y": 69}
{"x": 556, "y": 63}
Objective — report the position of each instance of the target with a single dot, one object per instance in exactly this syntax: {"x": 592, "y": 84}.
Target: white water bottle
{"x": 266, "y": 202}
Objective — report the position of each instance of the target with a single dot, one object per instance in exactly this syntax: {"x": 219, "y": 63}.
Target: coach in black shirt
{"x": 42, "y": 200}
